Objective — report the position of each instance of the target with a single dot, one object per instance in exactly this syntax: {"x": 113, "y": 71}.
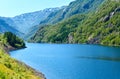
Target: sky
{"x": 10, "y": 8}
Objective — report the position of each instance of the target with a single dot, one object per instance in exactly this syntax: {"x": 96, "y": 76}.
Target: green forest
{"x": 101, "y": 26}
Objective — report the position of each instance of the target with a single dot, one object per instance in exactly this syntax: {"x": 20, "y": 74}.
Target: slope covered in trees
{"x": 75, "y": 7}
{"x": 99, "y": 27}
{"x": 10, "y": 39}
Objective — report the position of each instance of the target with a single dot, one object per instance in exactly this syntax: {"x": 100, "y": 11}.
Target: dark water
{"x": 72, "y": 61}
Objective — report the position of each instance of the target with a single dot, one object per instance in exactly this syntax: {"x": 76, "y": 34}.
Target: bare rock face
{"x": 117, "y": 9}
{"x": 70, "y": 38}
{"x": 94, "y": 40}
{"x": 110, "y": 15}
{"x": 106, "y": 18}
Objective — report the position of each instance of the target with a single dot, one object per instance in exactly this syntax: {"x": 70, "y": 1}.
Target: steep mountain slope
{"x": 34, "y": 28}
{"x": 28, "y": 23}
{"x": 4, "y": 27}
{"x": 58, "y": 33}
{"x": 75, "y": 7}
{"x": 25, "y": 21}
{"x": 100, "y": 27}
{"x": 11, "y": 68}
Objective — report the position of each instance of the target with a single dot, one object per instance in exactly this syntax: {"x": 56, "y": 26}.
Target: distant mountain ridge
{"x": 75, "y": 7}
{"x": 4, "y": 27}
{"x": 25, "y": 21}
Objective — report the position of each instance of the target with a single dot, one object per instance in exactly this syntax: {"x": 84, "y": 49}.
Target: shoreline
{"x": 36, "y": 72}
{"x": 78, "y": 44}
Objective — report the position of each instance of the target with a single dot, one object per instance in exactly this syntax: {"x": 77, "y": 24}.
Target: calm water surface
{"x": 71, "y": 61}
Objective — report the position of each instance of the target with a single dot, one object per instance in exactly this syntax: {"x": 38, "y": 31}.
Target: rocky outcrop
{"x": 94, "y": 40}
{"x": 110, "y": 15}
{"x": 117, "y": 9}
{"x": 70, "y": 38}
{"x": 106, "y": 18}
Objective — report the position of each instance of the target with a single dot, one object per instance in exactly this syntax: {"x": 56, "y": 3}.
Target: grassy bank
{"x": 11, "y": 68}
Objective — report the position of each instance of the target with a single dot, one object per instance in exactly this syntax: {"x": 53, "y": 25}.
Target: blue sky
{"x": 10, "y": 8}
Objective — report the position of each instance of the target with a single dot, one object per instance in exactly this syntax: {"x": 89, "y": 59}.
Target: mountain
{"x": 25, "y": 21}
{"x": 99, "y": 27}
{"x": 4, "y": 27}
{"x": 21, "y": 24}
{"x": 75, "y": 7}
{"x": 57, "y": 33}
{"x": 39, "y": 24}
{"x": 29, "y": 23}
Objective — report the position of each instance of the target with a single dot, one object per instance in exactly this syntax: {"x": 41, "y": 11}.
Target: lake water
{"x": 72, "y": 61}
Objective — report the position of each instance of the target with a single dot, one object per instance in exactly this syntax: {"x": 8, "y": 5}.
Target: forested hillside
{"x": 75, "y": 7}
{"x": 99, "y": 27}
{"x": 9, "y": 39}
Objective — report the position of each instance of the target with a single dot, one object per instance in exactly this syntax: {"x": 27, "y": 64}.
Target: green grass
{"x": 12, "y": 69}
{"x": 9, "y": 67}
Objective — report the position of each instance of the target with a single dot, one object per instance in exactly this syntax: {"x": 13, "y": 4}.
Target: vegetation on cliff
{"x": 99, "y": 27}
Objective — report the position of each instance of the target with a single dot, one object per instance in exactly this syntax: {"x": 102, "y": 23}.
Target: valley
{"x": 76, "y": 41}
